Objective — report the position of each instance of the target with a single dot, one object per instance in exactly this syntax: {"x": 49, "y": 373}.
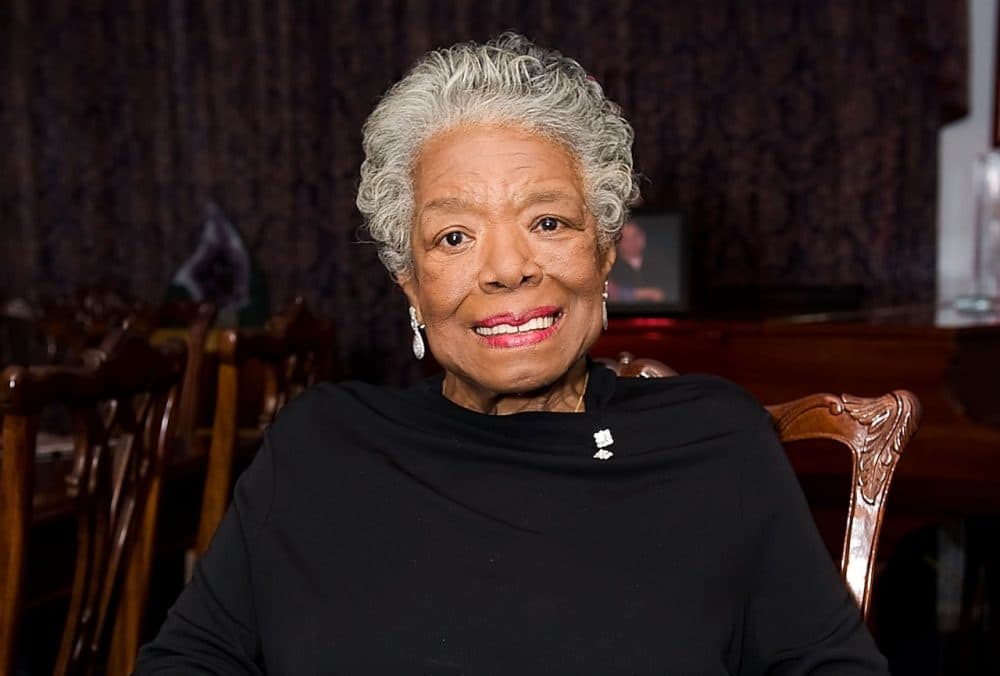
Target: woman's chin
{"x": 517, "y": 379}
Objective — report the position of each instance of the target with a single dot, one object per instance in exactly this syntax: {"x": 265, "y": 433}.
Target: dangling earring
{"x": 418, "y": 340}
{"x": 604, "y": 306}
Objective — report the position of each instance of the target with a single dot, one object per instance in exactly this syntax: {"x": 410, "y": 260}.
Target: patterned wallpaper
{"x": 799, "y": 137}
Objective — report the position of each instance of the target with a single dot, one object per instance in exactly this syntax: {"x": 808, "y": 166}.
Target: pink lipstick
{"x": 519, "y": 329}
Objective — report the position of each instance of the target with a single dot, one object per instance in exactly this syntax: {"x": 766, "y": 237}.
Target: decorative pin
{"x": 603, "y": 439}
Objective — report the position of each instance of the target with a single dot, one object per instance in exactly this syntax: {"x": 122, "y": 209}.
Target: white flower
{"x": 603, "y": 438}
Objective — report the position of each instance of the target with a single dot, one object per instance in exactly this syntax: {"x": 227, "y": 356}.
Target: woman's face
{"x": 507, "y": 272}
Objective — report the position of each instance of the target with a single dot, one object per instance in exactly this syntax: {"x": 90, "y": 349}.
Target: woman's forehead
{"x": 469, "y": 166}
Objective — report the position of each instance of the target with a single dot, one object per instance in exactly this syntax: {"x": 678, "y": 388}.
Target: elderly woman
{"x": 526, "y": 512}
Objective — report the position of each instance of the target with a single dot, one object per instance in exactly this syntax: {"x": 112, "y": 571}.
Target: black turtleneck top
{"x": 385, "y": 531}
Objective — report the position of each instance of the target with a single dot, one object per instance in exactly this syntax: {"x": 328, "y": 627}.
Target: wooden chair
{"x": 295, "y": 351}
{"x": 122, "y": 406}
{"x": 81, "y": 320}
{"x": 876, "y": 430}
{"x": 190, "y": 394}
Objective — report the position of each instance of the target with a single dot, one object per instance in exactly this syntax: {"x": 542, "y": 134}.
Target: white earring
{"x": 418, "y": 340}
{"x": 604, "y": 306}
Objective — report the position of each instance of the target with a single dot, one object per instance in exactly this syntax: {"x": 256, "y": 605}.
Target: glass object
{"x": 984, "y": 295}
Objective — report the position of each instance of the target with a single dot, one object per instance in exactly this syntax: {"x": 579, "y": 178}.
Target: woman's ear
{"x": 408, "y": 283}
{"x": 608, "y": 259}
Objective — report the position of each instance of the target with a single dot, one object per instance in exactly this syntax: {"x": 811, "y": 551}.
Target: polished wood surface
{"x": 875, "y": 430}
{"x": 951, "y": 362}
{"x": 122, "y": 407}
{"x": 16, "y": 488}
{"x": 294, "y": 351}
{"x": 191, "y": 387}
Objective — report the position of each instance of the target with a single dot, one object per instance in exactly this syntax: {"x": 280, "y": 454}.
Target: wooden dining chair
{"x": 875, "y": 429}
{"x": 294, "y": 351}
{"x": 122, "y": 405}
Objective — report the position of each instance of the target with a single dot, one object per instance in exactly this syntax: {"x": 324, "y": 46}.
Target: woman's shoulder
{"x": 334, "y": 433}
{"x": 348, "y": 393}
{"x": 691, "y": 419}
{"x": 703, "y": 404}
{"x": 696, "y": 388}
{"x": 329, "y": 412}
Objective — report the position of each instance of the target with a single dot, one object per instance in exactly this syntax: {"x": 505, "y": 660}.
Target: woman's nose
{"x": 508, "y": 261}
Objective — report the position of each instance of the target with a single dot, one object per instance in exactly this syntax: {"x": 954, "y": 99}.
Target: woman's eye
{"x": 549, "y": 224}
{"x": 454, "y": 238}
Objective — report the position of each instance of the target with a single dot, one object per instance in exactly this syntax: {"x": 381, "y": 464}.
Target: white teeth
{"x": 530, "y": 325}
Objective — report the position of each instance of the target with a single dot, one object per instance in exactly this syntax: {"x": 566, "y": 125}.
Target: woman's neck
{"x": 564, "y": 395}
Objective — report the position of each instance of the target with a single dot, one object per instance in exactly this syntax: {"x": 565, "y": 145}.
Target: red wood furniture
{"x": 949, "y": 361}
{"x": 122, "y": 404}
{"x": 295, "y": 350}
{"x": 875, "y": 430}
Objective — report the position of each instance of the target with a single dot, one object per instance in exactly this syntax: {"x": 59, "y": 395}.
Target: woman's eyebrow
{"x": 543, "y": 197}
{"x": 449, "y": 204}
{"x": 456, "y": 204}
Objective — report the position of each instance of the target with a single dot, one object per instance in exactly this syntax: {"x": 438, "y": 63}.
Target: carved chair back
{"x": 295, "y": 351}
{"x": 122, "y": 404}
{"x": 80, "y": 321}
{"x": 875, "y": 429}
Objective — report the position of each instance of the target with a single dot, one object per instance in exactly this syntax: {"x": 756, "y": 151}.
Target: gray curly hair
{"x": 508, "y": 80}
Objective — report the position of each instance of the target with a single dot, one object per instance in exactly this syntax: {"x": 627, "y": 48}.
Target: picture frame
{"x": 651, "y": 273}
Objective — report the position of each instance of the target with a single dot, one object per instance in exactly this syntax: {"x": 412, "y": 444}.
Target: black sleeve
{"x": 212, "y": 628}
{"x": 800, "y": 618}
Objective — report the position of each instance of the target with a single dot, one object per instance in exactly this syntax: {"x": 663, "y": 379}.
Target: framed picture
{"x": 650, "y": 275}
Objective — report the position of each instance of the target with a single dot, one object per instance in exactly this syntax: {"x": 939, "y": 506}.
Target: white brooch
{"x": 603, "y": 439}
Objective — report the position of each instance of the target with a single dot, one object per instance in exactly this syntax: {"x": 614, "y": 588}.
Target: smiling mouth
{"x": 536, "y": 324}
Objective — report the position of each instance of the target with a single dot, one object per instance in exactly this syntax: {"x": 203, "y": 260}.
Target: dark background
{"x": 798, "y": 137}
